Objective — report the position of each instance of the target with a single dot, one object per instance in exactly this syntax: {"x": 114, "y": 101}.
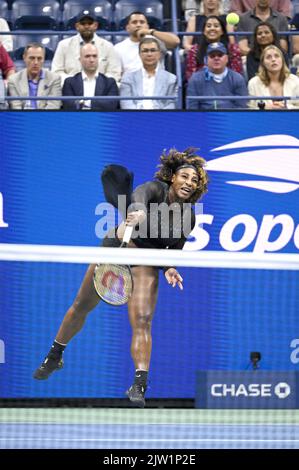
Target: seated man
{"x": 34, "y": 80}
{"x": 66, "y": 61}
{"x": 216, "y": 79}
{"x": 89, "y": 83}
{"x": 150, "y": 80}
{"x": 242, "y": 6}
{"x": 128, "y": 50}
{"x": 262, "y": 11}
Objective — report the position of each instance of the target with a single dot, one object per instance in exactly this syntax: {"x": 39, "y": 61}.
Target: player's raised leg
{"x": 72, "y": 323}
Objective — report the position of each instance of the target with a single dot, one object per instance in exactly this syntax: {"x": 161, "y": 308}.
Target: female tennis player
{"x": 180, "y": 181}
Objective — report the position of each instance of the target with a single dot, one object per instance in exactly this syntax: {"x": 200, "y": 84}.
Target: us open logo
{"x": 2, "y": 221}
{"x": 268, "y": 164}
{"x": 294, "y": 357}
{"x": 274, "y": 157}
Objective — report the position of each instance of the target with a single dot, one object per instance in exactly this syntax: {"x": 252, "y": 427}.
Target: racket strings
{"x": 113, "y": 283}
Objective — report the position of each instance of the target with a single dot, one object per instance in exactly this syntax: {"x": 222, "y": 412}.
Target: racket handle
{"x": 128, "y": 233}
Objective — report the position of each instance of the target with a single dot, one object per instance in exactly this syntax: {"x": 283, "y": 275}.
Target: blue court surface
{"x": 54, "y": 428}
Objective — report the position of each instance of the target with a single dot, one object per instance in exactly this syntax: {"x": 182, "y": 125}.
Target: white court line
{"x": 142, "y": 440}
{"x": 17, "y": 423}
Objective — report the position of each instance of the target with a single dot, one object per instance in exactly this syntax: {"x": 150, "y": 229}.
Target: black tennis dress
{"x": 162, "y": 228}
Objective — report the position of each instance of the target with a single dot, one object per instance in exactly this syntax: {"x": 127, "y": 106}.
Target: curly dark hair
{"x": 170, "y": 162}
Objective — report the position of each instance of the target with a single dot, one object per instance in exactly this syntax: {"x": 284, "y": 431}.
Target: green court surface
{"x": 147, "y": 416}
{"x": 77, "y": 428}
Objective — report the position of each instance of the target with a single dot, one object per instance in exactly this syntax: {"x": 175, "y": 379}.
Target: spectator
{"x": 7, "y": 66}
{"x": 274, "y": 79}
{"x": 196, "y": 7}
{"x": 128, "y": 50}
{"x": 264, "y": 35}
{"x": 216, "y": 79}
{"x": 214, "y": 30}
{"x": 191, "y": 8}
{"x": 261, "y": 12}
{"x": 5, "y": 39}
{"x": 150, "y": 80}
{"x": 89, "y": 82}
{"x": 282, "y": 6}
{"x": 196, "y": 22}
{"x": 66, "y": 58}
{"x": 294, "y": 26}
{"x": 34, "y": 81}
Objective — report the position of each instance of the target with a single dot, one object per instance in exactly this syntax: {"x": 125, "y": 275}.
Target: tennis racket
{"x": 114, "y": 282}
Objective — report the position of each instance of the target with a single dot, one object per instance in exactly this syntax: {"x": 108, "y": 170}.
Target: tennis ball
{"x": 232, "y": 18}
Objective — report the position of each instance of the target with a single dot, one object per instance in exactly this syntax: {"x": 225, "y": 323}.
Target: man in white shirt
{"x": 128, "y": 50}
{"x": 149, "y": 80}
{"x": 89, "y": 82}
{"x": 66, "y": 60}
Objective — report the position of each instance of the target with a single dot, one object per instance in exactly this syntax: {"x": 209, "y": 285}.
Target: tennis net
{"x": 224, "y": 361}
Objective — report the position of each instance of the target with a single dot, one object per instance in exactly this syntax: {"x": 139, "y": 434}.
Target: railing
{"x": 173, "y": 97}
{"x": 78, "y": 99}
{"x": 71, "y": 32}
{"x": 215, "y": 99}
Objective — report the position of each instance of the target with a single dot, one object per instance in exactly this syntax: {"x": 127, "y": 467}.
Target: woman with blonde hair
{"x": 264, "y": 35}
{"x": 274, "y": 79}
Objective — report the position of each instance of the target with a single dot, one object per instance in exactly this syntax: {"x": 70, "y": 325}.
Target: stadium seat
{"x": 49, "y": 42}
{"x": 153, "y": 9}
{"x": 35, "y": 22}
{"x": 102, "y": 9}
{"x": 25, "y": 11}
{"x": 3, "y": 10}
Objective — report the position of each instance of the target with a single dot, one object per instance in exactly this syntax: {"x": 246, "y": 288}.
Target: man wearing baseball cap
{"x": 85, "y": 14}
{"x": 66, "y": 61}
{"x": 216, "y": 80}
{"x": 216, "y": 47}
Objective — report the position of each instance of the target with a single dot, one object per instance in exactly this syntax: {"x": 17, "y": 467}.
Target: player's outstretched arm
{"x": 174, "y": 278}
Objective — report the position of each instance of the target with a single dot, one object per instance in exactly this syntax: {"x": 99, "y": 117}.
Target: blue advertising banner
{"x": 247, "y": 389}
{"x": 50, "y": 189}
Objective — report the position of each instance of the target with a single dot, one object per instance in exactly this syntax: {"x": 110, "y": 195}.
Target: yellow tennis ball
{"x": 232, "y": 18}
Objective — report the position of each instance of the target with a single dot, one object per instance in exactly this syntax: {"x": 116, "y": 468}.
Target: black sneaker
{"x": 50, "y": 364}
{"x": 136, "y": 395}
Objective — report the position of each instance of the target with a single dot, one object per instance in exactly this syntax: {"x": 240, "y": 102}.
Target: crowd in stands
{"x": 152, "y": 65}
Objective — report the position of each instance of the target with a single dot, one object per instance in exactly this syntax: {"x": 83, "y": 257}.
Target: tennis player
{"x": 180, "y": 181}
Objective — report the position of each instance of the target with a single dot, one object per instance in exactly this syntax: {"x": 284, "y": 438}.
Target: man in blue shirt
{"x": 34, "y": 80}
{"x": 216, "y": 79}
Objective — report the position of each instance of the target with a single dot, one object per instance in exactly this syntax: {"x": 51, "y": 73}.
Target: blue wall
{"x": 50, "y": 184}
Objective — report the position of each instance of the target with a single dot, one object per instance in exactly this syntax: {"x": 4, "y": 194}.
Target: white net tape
{"x": 146, "y": 257}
